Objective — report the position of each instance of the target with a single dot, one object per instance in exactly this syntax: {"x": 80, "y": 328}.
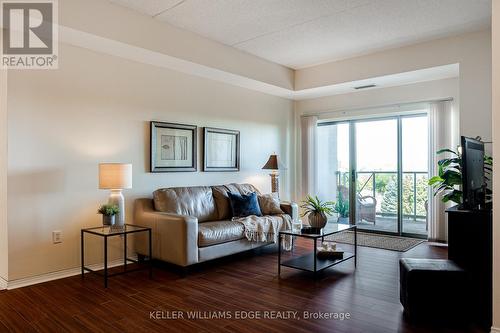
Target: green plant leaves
{"x": 435, "y": 180}
{"x": 108, "y": 210}
{"x": 341, "y": 207}
{"x": 455, "y": 196}
{"x": 313, "y": 205}
{"x": 450, "y": 176}
{"x": 446, "y": 150}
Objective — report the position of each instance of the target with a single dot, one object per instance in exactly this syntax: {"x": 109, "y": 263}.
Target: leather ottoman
{"x": 433, "y": 289}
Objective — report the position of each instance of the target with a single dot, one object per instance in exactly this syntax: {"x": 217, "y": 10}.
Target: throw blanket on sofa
{"x": 266, "y": 228}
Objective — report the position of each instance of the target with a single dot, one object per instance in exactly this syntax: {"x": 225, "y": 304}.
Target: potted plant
{"x": 317, "y": 211}
{"x": 108, "y": 213}
{"x": 449, "y": 178}
{"x": 341, "y": 207}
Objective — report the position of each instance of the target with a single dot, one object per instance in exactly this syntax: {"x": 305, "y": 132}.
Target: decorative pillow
{"x": 244, "y": 204}
{"x": 270, "y": 204}
{"x": 222, "y": 202}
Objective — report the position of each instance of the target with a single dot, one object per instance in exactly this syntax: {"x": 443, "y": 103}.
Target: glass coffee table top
{"x": 310, "y": 260}
{"x": 329, "y": 229}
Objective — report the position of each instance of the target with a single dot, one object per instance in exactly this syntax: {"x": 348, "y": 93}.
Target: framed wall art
{"x": 173, "y": 147}
{"x": 221, "y": 149}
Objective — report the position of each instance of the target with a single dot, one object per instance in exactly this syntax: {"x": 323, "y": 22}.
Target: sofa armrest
{"x": 290, "y": 208}
{"x": 175, "y": 237}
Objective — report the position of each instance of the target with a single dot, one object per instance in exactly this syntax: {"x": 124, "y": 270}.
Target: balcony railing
{"x": 367, "y": 179}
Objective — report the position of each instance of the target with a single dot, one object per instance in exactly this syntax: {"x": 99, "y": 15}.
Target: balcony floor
{"x": 389, "y": 224}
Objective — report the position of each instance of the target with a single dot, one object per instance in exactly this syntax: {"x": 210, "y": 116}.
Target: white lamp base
{"x": 116, "y": 198}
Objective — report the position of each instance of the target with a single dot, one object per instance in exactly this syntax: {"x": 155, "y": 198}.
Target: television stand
{"x": 470, "y": 245}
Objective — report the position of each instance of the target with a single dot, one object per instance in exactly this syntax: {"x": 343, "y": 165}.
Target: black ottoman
{"x": 433, "y": 289}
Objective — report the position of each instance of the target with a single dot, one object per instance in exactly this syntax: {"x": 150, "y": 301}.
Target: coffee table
{"x": 310, "y": 261}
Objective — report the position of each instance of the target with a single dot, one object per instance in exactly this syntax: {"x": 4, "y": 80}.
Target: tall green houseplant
{"x": 449, "y": 178}
{"x": 341, "y": 206}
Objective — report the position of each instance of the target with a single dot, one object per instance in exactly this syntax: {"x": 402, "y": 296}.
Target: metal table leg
{"x": 150, "y": 254}
{"x": 355, "y": 246}
{"x": 315, "y": 255}
{"x": 279, "y": 254}
{"x": 105, "y": 261}
{"x": 125, "y": 252}
{"x": 82, "y": 251}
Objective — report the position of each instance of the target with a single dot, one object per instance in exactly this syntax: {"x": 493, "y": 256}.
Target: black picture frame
{"x": 154, "y": 127}
{"x": 207, "y": 147}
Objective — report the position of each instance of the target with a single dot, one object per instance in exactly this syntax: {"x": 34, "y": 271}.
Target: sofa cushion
{"x": 242, "y": 188}
{"x": 217, "y": 232}
{"x": 197, "y": 201}
{"x": 222, "y": 199}
{"x": 222, "y": 202}
{"x": 270, "y": 204}
{"x": 244, "y": 204}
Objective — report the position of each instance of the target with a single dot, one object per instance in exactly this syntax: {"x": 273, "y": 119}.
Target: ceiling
{"x": 302, "y": 33}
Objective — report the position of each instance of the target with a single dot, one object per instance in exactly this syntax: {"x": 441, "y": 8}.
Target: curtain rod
{"x": 319, "y": 113}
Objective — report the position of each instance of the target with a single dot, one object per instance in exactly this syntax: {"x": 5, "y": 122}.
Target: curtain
{"x": 309, "y": 150}
{"x": 443, "y": 128}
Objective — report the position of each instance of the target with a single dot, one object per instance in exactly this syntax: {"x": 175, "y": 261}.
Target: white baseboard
{"x": 18, "y": 283}
{"x": 495, "y": 330}
{"x": 3, "y": 283}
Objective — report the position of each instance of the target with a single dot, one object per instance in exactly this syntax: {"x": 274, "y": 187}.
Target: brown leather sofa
{"x": 193, "y": 224}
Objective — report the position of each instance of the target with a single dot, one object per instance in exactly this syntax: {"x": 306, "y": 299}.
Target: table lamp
{"x": 116, "y": 177}
{"x": 272, "y": 164}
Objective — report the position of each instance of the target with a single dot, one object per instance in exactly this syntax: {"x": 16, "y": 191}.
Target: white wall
{"x": 471, "y": 51}
{"x": 496, "y": 154}
{"x": 97, "y": 108}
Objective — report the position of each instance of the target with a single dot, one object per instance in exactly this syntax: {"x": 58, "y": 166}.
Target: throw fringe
{"x": 266, "y": 229}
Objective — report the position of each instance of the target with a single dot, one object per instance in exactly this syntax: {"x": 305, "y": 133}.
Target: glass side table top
{"x": 329, "y": 229}
{"x": 115, "y": 230}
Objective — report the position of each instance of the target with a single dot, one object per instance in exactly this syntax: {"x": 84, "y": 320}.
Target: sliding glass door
{"x": 377, "y": 175}
{"x": 376, "y": 171}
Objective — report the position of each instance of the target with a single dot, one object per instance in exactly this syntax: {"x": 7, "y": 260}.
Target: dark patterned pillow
{"x": 244, "y": 204}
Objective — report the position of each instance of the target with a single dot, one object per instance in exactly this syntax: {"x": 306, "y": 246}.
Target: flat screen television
{"x": 473, "y": 182}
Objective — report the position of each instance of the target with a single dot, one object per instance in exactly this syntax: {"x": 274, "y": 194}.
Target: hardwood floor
{"x": 248, "y": 282}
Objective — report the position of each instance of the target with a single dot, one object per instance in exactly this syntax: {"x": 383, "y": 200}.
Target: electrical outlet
{"x": 56, "y": 236}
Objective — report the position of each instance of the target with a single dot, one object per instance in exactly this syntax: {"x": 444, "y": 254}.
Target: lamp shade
{"x": 272, "y": 163}
{"x": 115, "y": 176}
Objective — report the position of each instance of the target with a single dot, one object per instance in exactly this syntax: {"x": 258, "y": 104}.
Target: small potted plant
{"x": 341, "y": 207}
{"x": 317, "y": 211}
{"x": 108, "y": 213}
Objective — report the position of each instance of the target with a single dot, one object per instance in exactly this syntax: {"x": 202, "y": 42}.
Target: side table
{"x": 108, "y": 231}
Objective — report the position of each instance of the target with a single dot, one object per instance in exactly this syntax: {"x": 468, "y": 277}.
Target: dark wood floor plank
{"x": 246, "y": 282}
